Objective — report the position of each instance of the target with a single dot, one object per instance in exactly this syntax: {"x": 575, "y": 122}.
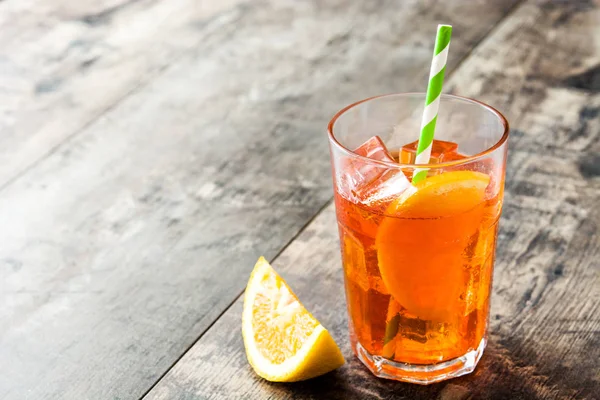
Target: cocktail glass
{"x": 418, "y": 259}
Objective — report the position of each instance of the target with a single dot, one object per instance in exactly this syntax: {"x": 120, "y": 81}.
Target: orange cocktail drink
{"x": 418, "y": 258}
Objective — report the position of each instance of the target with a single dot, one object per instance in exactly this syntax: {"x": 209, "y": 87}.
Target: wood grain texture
{"x": 65, "y": 63}
{"x": 127, "y": 241}
{"x": 545, "y": 326}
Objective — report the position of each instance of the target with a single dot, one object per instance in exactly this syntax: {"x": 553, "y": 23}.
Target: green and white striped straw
{"x": 432, "y": 101}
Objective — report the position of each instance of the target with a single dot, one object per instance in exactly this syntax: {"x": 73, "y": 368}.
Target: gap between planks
{"x": 236, "y": 297}
{"x": 94, "y": 118}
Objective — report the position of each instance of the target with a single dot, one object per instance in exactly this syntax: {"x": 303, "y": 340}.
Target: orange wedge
{"x": 442, "y": 195}
{"x": 283, "y": 341}
{"x": 421, "y": 240}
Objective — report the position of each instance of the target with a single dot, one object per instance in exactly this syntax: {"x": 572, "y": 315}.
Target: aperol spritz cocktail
{"x": 418, "y": 258}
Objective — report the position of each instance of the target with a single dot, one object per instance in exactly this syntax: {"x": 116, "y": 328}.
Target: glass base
{"x": 418, "y": 373}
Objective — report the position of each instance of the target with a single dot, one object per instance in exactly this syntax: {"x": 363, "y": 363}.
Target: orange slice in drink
{"x": 420, "y": 242}
{"x": 283, "y": 341}
{"x": 441, "y": 195}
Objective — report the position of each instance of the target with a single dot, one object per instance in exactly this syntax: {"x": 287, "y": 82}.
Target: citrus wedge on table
{"x": 284, "y": 342}
{"x": 421, "y": 240}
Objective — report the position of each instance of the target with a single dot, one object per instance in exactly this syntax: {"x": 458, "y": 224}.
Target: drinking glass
{"x": 418, "y": 258}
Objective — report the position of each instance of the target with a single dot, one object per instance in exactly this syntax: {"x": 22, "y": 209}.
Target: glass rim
{"x": 388, "y": 164}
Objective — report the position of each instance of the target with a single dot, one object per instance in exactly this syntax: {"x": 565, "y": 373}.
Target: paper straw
{"x": 391, "y": 330}
{"x": 432, "y": 105}
{"x": 432, "y": 100}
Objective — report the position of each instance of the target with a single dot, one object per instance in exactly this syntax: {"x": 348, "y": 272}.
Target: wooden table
{"x": 151, "y": 150}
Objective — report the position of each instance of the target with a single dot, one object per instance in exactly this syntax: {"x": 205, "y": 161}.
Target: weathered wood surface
{"x": 65, "y": 63}
{"x": 136, "y": 196}
{"x": 545, "y": 317}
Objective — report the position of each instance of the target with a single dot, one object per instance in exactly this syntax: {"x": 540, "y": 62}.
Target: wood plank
{"x": 124, "y": 245}
{"x": 545, "y": 331}
{"x": 64, "y": 63}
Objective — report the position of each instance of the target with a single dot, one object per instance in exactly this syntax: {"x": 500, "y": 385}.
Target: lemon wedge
{"x": 283, "y": 341}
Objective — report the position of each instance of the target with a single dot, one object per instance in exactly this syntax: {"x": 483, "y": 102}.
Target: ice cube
{"x": 353, "y": 258}
{"x": 384, "y": 188}
{"x": 371, "y": 183}
{"x": 375, "y": 149}
{"x": 440, "y": 151}
{"x": 363, "y": 171}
